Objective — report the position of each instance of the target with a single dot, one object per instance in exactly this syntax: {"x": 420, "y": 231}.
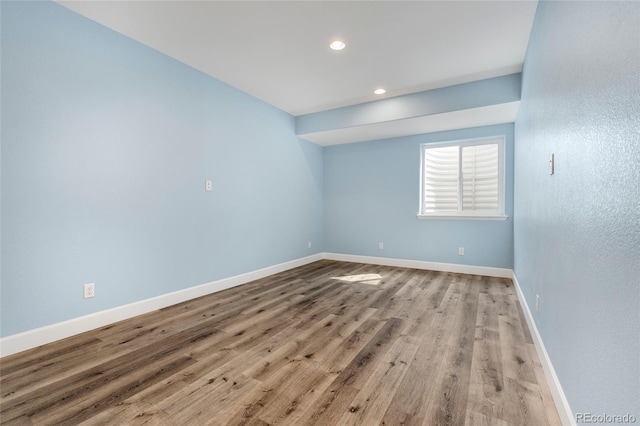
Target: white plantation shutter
{"x": 462, "y": 178}
{"x": 480, "y": 177}
{"x": 440, "y": 186}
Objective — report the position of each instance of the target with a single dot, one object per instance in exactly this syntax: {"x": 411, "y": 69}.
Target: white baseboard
{"x": 422, "y": 264}
{"x": 562, "y": 405}
{"x": 40, "y": 336}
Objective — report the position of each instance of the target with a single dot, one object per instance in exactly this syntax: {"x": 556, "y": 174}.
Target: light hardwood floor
{"x": 327, "y": 343}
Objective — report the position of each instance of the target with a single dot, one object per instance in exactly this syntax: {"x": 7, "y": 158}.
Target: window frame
{"x": 498, "y": 214}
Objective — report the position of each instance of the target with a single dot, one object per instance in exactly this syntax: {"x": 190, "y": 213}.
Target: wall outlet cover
{"x": 89, "y": 290}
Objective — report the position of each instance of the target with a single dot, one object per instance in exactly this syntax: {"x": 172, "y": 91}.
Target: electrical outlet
{"x": 460, "y": 251}
{"x": 381, "y": 246}
{"x": 309, "y": 244}
{"x": 89, "y": 290}
{"x": 208, "y": 185}
{"x": 537, "y": 303}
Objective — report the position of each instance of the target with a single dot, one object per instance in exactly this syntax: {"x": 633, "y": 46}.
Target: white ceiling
{"x": 278, "y": 51}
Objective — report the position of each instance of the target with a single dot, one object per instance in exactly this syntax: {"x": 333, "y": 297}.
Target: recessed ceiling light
{"x": 337, "y": 45}
{"x": 379, "y": 91}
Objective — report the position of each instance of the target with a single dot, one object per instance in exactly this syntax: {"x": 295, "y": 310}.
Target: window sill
{"x": 462, "y": 217}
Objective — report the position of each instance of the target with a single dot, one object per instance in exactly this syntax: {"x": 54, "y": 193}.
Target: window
{"x": 463, "y": 179}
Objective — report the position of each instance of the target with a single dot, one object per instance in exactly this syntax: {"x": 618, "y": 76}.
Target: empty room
{"x": 320, "y": 212}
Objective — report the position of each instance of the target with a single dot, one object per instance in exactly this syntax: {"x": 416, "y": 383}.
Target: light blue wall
{"x": 577, "y": 233}
{"x": 371, "y": 195}
{"x": 106, "y": 145}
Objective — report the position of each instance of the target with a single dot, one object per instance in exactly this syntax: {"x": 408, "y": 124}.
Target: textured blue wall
{"x": 106, "y": 145}
{"x": 577, "y": 233}
{"x": 371, "y": 195}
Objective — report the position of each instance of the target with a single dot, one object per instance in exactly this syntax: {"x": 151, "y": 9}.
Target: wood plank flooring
{"x": 329, "y": 343}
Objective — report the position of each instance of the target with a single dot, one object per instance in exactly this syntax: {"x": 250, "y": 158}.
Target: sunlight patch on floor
{"x": 371, "y": 279}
